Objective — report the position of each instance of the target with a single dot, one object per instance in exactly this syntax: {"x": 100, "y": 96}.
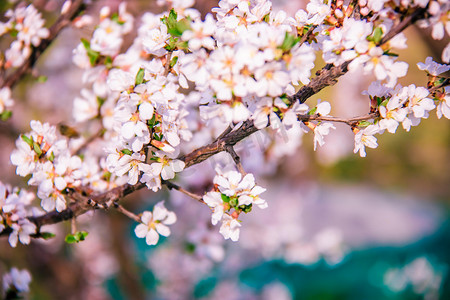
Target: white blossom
{"x": 155, "y": 224}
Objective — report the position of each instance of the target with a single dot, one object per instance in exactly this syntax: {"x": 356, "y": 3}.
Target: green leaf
{"x": 289, "y": 42}
{"x": 51, "y": 157}
{"x": 6, "y": 115}
{"x": 151, "y": 122}
{"x": 115, "y": 17}
{"x": 173, "y": 61}
{"x": 81, "y": 235}
{"x": 364, "y": 124}
{"x": 70, "y": 239}
{"x": 42, "y": 79}
{"x": 108, "y": 62}
{"x": 100, "y": 101}
{"x": 174, "y": 27}
{"x": 14, "y": 32}
{"x": 377, "y": 35}
{"x": 27, "y": 140}
{"x": 390, "y": 54}
{"x": 225, "y": 198}
{"x": 93, "y": 57}
{"x": 76, "y": 238}
{"x": 140, "y": 76}
{"x": 47, "y": 235}
{"x": 86, "y": 44}
{"x": 126, "y": 151}
{"x": 190, "y": 247}
{"x": 37, "y": 149}
{"x": 312, "y": 111}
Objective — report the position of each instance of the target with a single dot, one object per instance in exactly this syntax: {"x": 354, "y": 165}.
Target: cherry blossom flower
{"x": 443, "y": 107}
{"x": 320, "y": 131}
{"x": 230, "y": 228}
{"x": 200, "y": 34}
{"x": 365, "y": 138}
{"x": 155, "y": 224}
{"x": 21, "y": 231}
{"x": 5, "y": 99}
{"x": 432, "y": 67}
{"x": 16, "y": 279}
{"x": 214, "y": 200}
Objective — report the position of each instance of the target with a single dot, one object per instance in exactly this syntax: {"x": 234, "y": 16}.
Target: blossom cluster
{"x": 49, "y": 158}
{"x": 27, "y": 25}
{"x": 233, "y": 191}
{"x": 405, "y": 105}
{"x": 14, "y": 209}
{"x": 15, "y": 283}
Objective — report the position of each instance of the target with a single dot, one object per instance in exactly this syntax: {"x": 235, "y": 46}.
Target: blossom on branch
{"x": 155, "y": 224}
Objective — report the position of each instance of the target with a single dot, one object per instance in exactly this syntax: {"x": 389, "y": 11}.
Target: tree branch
{"x": 325, "y": 77}
{"x": 63, "y": 21}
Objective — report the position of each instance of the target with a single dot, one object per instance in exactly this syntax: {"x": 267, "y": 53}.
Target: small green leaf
{"x": 108, "y": 62}
{"x": 312, "y": 111}
{"x": 42, "y": 79}
{"x": 37, "y": 149}
{"x": 51, "y": 157}
{"x": 93, "y": 56}
{"x": 126, "y": 151}
{"x": 377, "y": 35}
{"x": 76, "y": 238}
{"x": 27, "y": 140}
{"x": 100, "y": 101}
{"x": 70, "y": 239}
{"x": 234, "y": 201}
{"x": 364, "y": 124}
{"x": 151, "y": 122}
{"x": 140, "y": 76}
{"x": 81, "y": 235}
{"x": 289, "y": 42}
{"x": 14, "y": 32}
{"x": 6, "y": 115}
{"x": 47, "y": 235}
{"x": 86, "y": 44}
{"x": 173, "y": 61}
{"x": 225, "y": 198}
{"x": 390, "y": 54}
{"x": 190, "y": 247}
{"x": 384, "y": 103}
{"x": 115, "y": 17}
{"x": 174, "y": 27}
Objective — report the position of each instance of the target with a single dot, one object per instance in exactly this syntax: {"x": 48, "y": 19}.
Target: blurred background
{"x": 338, "y": 226}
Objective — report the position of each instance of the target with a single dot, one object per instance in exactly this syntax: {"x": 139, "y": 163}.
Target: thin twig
{"x": 73, "y": 225}
{"x": 171, "y": 185}
{"x": 127, "y": 213}
{"x": 307, "y": 34}
{"x": 237, "y": 159}
{"x": 349, "y": 121}
{"x": 167, "y": 65}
